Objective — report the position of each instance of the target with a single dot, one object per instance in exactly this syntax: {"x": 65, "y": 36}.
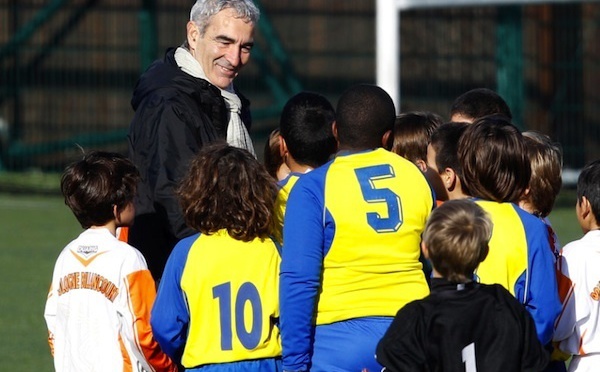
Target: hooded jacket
{"x": 175, "y": 115}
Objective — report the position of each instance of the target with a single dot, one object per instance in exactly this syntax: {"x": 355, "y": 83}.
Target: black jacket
{"x": 175, "y": 115}
{"x": 451, "y": 328}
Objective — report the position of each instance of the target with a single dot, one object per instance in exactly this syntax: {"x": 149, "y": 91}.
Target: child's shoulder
{"x": 586, "y": 246}
{"x": 502, "y": 300}
{"x": 130, "y": 255}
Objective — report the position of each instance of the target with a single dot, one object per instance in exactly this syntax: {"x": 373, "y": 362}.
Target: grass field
{"x": 33, "y": 229}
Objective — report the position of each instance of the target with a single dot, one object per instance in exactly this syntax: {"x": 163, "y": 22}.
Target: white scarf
{"x": 237, "y": 133}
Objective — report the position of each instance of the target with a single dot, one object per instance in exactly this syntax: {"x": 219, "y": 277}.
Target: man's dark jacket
{"x": 175, "y": 115}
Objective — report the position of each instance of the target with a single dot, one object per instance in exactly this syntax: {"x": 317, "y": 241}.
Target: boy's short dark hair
{"x": 364, "y": 114}
{"x": 480, "y": 102}
{"x": 456, "y": 235}
{"x": 494, "y": 160}
{"x": 588, "y": 185}
{"x": 305, "y": 125}
{"x": 94, "y": 185}
{"x": 444, "y": 141}
{"x": 545, "y": 157}
{"x": 411, "y": 134}
{"x": 227, "y": 188}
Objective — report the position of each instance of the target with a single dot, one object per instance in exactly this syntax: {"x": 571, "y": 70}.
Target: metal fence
{"x": 67, "y": 68}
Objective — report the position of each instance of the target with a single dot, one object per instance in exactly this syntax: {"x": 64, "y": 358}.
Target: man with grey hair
{"x": 183, "y": 102}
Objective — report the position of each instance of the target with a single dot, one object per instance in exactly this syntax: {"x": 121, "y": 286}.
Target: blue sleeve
{"x": 170, "y": 316}
{"x": 537, "y": 288}
{"x": 301, "y": 268}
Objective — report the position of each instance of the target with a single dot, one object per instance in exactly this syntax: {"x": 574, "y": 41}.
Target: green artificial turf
{"x": 33, "y": 230}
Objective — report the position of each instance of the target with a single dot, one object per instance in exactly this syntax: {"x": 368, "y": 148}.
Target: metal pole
{"x": 388, "y": 49}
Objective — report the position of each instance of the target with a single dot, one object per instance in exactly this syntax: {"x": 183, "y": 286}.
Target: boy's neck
{"x": 296, "y": 167}
{"x": 593, "y": 225}
{"x": 110, "y": 226}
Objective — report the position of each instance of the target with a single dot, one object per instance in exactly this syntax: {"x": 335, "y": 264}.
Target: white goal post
{"x": 388, "y": 34}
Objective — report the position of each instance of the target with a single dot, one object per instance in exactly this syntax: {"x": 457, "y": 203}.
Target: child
{"x": 477, "y": 103}
{"x": 98, "y": 308}
{"x": 546, "y": 174}
{"x": 352, "y": 230}
{"x": 545, "y": 157}
{"x": 576, "y": 328}
{"x": 273, "y": 160}
{"x": 307, "y": 142}
{"x": 496, "y": 171}
{"x": 410, "y": 137}
{"x": 217, "y": 305}
{"x": 461, "y": 324}
{"x": 411, "y": 134}
{"x": 442, "y": 159}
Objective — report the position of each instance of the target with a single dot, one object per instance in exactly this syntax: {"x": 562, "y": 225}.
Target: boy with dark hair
{"x": 411, "y": 134}
{"x": 442, "y": 159}
{"x": 217, "y": 304}
{"x": 496, "y": 171}
{"x": 461, "y": 324}
{"x": 98, "y": 308}
{"x": 305, "y": 125}
{"x": 577, "y": 327}
{"x": 306, "y": 142}
{"x": 477, "y": 103}
{"x": 351, "y": 237}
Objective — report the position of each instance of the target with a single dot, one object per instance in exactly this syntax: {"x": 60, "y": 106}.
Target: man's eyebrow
{"x": 227, "y": 39}
{"x": 224, "y": 38}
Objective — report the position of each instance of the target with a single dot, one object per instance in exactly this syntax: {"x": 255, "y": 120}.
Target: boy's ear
{"x": 282, "y": 147}
{"x": 484, "y": 253}
{"x": 116, "y": 214}
{"x": 424, "y": 250}
{"x": 449, "y": 178}
{"x": 385, "y": 139}
{"x": 334, "y": 129}
{"x": 584, "y": 208}
{"x": 422, "y": 165}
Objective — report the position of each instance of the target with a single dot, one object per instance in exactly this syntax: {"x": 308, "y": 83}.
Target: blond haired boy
{"x": 462, "y": 325}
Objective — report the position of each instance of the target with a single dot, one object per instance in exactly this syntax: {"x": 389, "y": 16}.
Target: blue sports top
{"x": 352, "y": 233}
{"x": 522, "y": 261}
{"x": 217, "y": 301}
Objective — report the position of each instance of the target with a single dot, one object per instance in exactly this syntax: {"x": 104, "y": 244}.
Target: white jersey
{"x": 577, "y": 328}
{"x": 98, "y": 308}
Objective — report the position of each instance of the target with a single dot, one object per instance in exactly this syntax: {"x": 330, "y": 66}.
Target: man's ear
{"x": 385, "y": 139}
{"x": 193, "y": 34}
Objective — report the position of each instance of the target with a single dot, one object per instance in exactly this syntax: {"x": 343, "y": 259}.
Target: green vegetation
{"x": 32, "y": 182}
